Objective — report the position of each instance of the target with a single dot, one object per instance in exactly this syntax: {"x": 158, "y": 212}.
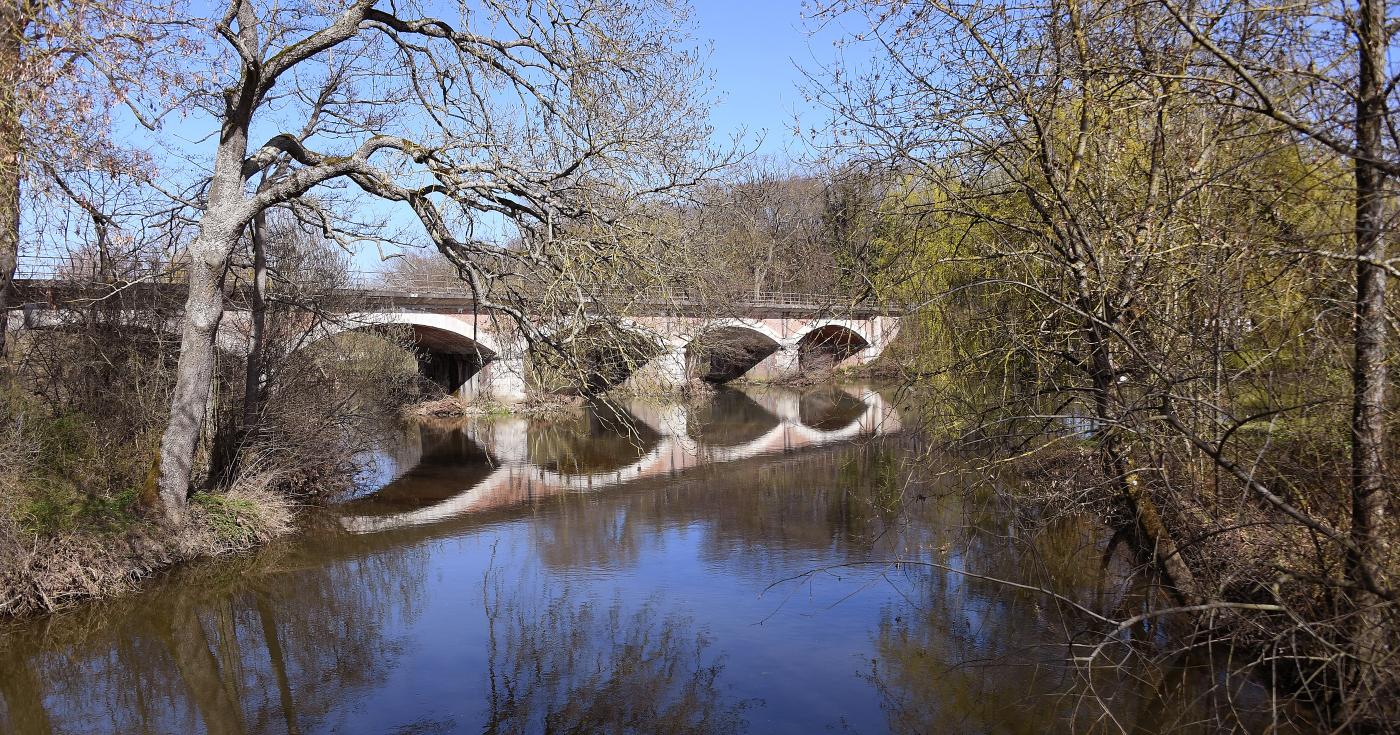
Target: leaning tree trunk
{"x": 204, "y": 308}
{"x": 1368, "y": 449}
{"x": 11, "y": 31}
{"x": 1117, "y": 462}
{"x": 219, "y": 229}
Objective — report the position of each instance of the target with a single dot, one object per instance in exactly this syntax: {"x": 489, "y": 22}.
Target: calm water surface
{"x": 719, "y": 568}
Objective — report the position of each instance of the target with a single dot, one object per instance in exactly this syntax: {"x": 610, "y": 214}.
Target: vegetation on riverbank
{"x": 1151, "y": 286}
{"x": 81, "y": 406}
{"x": 44, "y": 570}
{"x": 535, "y": 407}
{"x": 71, "y": 525}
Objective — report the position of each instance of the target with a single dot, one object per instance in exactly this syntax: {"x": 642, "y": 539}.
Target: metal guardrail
{"x": 41, "y": 271}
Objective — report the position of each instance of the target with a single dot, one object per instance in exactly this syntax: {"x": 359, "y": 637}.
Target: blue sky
{"x": 756, "y": 44}
{"x": 755, "y": 47}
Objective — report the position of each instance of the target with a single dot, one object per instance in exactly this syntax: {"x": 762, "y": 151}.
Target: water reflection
{"x": 829, "y": 409}
{"x": 732, "y": 591}
{"x": 245, "y": 646}
{"x": 426, "y": 463}
{"x": 613, "y": 443}
{"x": 556, "y": 663}
{"x": 730, "y": 418}
{"x": 605, "y": 438}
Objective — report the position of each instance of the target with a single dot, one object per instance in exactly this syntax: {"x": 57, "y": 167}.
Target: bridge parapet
{"x": 54, "y": 280}
{"x": 768, "y": 336}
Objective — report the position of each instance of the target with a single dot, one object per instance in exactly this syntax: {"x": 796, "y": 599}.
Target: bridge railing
{"x": 448, "y": 286}
{"x": 83, "y": 270}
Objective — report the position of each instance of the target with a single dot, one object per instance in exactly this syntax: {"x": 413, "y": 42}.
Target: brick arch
{"x": 449, "y": 351}
{"x": 725, "y": 349}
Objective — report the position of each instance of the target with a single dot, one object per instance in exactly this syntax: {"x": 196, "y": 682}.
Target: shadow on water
{"x": 752, "y": 595}
{"x": 440, "y": 459}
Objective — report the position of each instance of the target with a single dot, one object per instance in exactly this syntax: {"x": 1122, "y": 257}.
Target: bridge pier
{"x": 781, "y": 366}
{"x": 665, "y": 373}
{"x": 670, "y": 369}
{"x": 449, "y": 370}
{"x": 503, "y": 378}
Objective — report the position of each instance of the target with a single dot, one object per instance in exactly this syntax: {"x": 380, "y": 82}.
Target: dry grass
{"x": 445, "y": 407}
{"x": 42, "y": 573}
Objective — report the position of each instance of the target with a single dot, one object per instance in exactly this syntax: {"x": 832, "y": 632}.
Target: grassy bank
{"x": 72, "y": 524}
{"x": 534, "y": 407}
{"x": 82, "y": 410}
{"x": 43, "y": 570}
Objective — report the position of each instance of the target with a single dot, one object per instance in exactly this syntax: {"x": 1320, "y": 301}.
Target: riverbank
{"x": 545, "y": 407}
{"x": 76, "y": 523}
{"x": 67, "y": 541}
{"x": 46, "y": 571}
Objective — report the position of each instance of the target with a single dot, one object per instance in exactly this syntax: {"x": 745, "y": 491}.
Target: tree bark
{"x": 11, "y": 35}
{"x": 219, "y": 229}
{"x": 1368, "y": 479}
{"x": 227, "y": 212}
{"x": 204, "y": 308}
{"x": 1157, "y": 540}
{"x": 252, "y": 382}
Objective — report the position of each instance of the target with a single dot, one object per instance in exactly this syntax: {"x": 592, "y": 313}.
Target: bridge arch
{"x": 825, "y": 343}
{"x": 442, "y": 330}
{"x": 600, "y": 355}
{"x": 449, "y": 350}
{"x": 725, "y": 349}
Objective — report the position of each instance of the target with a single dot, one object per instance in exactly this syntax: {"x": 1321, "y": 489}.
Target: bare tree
{"x": 67, "y": 67}
{"x": 771, "y": 226}
{"x": 526, "y": 115}
{"x": 1324, "y": 70}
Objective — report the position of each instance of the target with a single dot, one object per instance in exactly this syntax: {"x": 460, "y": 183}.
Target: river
{"x": 724, "y": 567}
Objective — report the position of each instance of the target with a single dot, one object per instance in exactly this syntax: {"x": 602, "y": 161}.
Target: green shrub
{"x": 236, "y": 521}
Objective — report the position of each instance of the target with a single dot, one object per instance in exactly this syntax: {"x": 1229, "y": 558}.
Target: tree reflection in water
{"x": 558, "y": 664}
{"x": 982, "y": 671}
{"x": 235, "y": 646}
{"x": 961, "y": 651}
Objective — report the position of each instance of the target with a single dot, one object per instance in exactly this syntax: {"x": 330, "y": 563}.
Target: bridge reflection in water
{"x": 484, "y": 465}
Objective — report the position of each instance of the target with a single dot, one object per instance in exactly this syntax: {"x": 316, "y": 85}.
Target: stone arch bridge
{"x": 768, "y": 335}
